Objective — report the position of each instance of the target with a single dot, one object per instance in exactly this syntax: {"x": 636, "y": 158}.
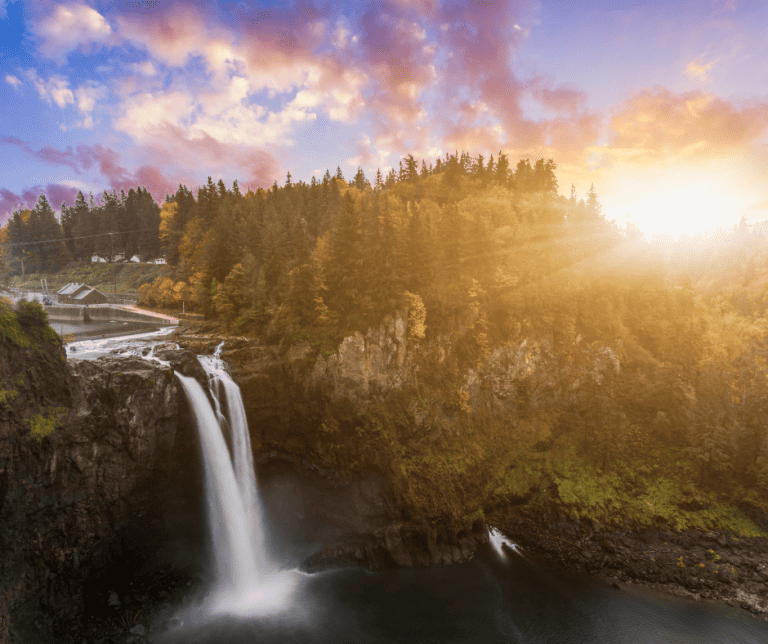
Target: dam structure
{"x": 105, "y": 313}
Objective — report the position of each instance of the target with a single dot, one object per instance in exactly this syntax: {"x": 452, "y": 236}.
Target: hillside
{"x": 108, "y": 278}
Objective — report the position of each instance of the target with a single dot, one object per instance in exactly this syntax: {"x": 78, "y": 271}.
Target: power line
{"x": 64, "y": 239}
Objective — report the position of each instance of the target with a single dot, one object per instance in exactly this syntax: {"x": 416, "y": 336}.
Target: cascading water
{"x": 498, "y": 540}
{"x": 247, "y": 582}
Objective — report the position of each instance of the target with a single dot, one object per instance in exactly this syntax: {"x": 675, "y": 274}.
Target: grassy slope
{"x": 125, "y": 278}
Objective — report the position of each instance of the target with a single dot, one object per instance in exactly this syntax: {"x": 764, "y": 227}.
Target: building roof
{"x": 73, "y": 289}
{"x": 85, "y": 293}
{"x": 69, "y": 288}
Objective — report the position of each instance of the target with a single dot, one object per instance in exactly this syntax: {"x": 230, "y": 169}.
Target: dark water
{"x": 495, "y": 598}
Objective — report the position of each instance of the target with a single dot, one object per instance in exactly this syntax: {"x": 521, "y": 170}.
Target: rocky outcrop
{"x": 84, "y": 449}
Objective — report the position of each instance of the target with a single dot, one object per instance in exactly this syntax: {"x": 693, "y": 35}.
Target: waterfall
{"x": 246, "y": 581}
{"x": 498, "y": 540}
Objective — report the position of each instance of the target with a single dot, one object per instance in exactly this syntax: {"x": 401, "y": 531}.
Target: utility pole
{"x": 112, "y": 259}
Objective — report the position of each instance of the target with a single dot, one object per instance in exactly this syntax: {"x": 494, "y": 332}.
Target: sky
{"x": 662, "y": 105}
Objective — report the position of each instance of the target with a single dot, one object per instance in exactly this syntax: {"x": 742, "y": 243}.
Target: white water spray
{"x": 498, "y": 540}
{"x": 247, "y": 583}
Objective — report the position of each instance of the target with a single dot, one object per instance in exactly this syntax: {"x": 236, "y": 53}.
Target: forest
{"x": 638, "y": 357}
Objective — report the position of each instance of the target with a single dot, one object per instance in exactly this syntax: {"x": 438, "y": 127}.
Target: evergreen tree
{"x": 18, "y": 240}
{"x": 502, "y": 170}
{"x": 148, "y": 222}
{"x": 593, "y": 207}
{"x": 360, "y": 181}
{"x": 411, "y": 169}
{"x": 47, "y": 250}
{"x": 67, "y": 228}
{"x": 108, "y": 243}
{"x": 84, "y": 227}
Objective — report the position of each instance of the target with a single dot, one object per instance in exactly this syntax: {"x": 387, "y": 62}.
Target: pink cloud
{"x": 559, "y": 99}
{"x": 86, "y": 157}
{"x": 171, "y": 144}
{"x": 55, "y": 193}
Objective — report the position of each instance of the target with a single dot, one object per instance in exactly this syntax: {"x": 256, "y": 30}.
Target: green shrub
{"x": 42, "y": 425}
{"x": 31, "y": 314}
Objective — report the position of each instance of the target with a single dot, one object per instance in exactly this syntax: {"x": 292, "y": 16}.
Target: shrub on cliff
{"x": 31, "y": 314}
{"x": 33, "y": 320}
{"x": 10, "y": 329}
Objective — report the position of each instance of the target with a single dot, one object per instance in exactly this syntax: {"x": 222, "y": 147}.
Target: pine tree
{"x": 84, "y": 226}
{"x": 18, "y": 238}
{"x": 502, "y": 170}
{"x": 148, "y": 219}
{"x": 67, "y": 228}
{"x": 47, "y": 252}
{"x": 411, "y": 169}
{"x": 360, "y": 181}
{"x": 593, "y": 207}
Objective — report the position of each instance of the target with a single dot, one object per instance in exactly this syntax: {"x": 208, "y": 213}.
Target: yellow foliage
{"x": 167, "y": 212}
{"x": 417, "y": 316}
{"x": 164, "y": 293}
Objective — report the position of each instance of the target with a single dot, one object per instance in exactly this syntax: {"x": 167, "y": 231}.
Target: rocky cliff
{"x": 394, "y": 451}
{"x": 84, "y": 449}
{"x": 324, "y": 430}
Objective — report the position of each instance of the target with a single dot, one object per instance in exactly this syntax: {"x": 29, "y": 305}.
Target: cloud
{"x": 107, "y": 161}
{"x": 660, "y": 122}
{"x": 364, "y": 155}
{"x": 55, "y": 89}
{"x": 64, "y": 28}
{"x": 564, "y": 98}
{"x": 697, "y": 71}
{"x": 54, "y": 192}
{"x": 12, "y": 80}
{"x": 143, "y": 113}
{"x": 172, "y": 146}
{"x": 144, "y": 68}
{"x": 79, "y": 160}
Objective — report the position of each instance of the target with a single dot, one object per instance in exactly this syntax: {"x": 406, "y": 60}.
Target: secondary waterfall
{"x": 246, "y": 581}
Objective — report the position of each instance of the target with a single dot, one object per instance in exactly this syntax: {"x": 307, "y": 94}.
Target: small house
{"x": 89, "y": 296}
{"x": 160, "y": 260}
{"x": 135, "y": 259}
{"x": 98, "y": 259}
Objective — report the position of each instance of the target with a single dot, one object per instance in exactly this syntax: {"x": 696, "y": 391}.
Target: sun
{"x": 683, "y": 201}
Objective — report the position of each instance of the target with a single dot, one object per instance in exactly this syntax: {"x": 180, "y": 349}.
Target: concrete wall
{"x": 76, "y": 313}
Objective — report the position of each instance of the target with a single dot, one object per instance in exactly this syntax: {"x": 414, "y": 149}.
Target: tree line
{"x": 35, "y": 240}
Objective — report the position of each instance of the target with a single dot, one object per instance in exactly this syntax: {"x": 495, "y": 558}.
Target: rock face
{"x": 83, "y": 448}
{"x": 329, "y": 506}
